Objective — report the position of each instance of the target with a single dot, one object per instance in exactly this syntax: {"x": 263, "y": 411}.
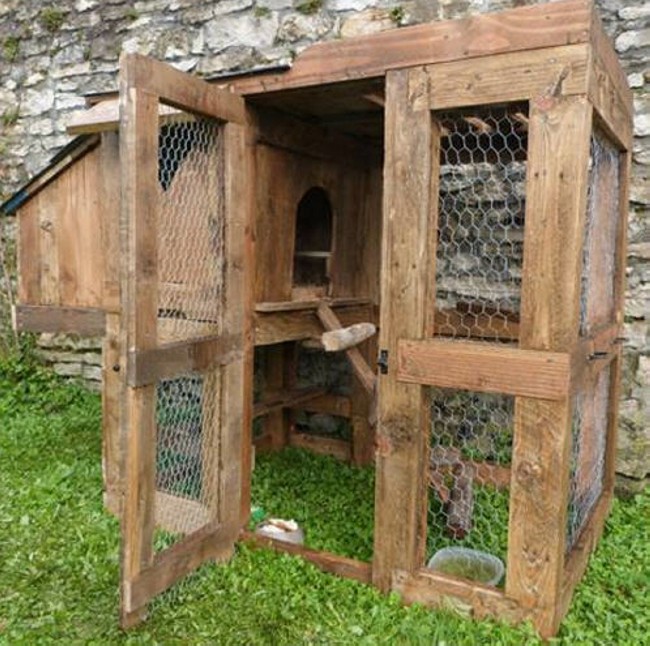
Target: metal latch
{"x": 382, "y": 362}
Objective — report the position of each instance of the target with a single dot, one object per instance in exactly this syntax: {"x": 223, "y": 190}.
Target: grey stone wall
{"x": 52, "y": 53}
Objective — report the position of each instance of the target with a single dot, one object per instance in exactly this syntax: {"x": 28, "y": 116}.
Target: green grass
{"x": 59, "y": 554}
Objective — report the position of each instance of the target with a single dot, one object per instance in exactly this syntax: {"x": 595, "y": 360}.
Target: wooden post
{"x": 556, "y": 190}
{"x": 111, "y": 385}
{"x": 139, "y": 217}
{"x": 402, "y": 465}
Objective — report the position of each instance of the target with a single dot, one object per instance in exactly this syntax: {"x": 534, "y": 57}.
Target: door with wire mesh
{"x": 185, "y": 267}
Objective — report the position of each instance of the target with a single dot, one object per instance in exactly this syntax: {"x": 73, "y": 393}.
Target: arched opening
{"x": 313, "y": 243}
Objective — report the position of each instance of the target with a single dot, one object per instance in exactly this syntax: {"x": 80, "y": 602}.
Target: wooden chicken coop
{"x": 462, "y": 186}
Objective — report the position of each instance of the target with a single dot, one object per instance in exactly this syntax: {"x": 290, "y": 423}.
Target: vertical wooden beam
{"x": 109, "y": 209}
{"x": 237, "y": 377}
{"x": 556, "y": 192}
{"x": 139, "y": 218}
{"x": 275, "y": 423}
{"x": 111, "y": 443}
{"x": 402, "y": 432}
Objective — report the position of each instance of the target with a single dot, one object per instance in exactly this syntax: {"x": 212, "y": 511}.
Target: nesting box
{"x": 460, "y": 185}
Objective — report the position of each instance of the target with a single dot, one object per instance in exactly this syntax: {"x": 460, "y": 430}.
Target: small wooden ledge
{"x": 292, "y": 306}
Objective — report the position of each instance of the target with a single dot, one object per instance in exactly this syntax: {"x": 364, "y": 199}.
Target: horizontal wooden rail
{"x": 328, "y": 404}
{"x": 85, "y": 321}
{"x": 334, "y": 447}
{"x": 439, "y": 591}
{"x": 484, "y": 367}
{"x": 210, "y": 542}
{"x": 285, "y": 399}
{"x": 172, "y": 359}
{"x": 480, "y": 81}
{"x": 326, "y": 561}
{"x": 183, "y": 91}
{"x": 295, "y": 325}
{"x": 290, "y": 306}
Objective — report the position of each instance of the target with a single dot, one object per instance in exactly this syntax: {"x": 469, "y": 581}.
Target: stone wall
{"x": 53, "y": 53}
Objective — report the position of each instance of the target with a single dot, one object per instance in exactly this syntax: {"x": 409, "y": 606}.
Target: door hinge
{"x": 382, "y": 362}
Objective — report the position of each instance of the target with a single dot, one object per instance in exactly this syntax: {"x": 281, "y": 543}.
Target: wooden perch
{"x": 347, "y": 337}
{"x": 359, "y": 365}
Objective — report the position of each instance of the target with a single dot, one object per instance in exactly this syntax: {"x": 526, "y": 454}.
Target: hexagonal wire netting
{"x": 478, "y": 281}
{"x": 190, "y": 303}
{"x": 597, "y": 309}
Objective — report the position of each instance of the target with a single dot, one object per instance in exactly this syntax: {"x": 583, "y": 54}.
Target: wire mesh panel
{"x": 191, "y": 274}
{"x": 597, "y": 309}
{"x": 601, "y": 228}
{"x": 480, "y": 221}
{"x": 191, "y": 233}
{"x": 589, "y": 435}
{"x": 470, "y": 450}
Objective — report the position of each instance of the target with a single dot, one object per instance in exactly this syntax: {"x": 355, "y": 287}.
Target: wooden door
{"x": 186, "y": 336}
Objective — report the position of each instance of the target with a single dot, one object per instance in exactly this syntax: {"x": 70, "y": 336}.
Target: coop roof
{"x": 70, "y": 153}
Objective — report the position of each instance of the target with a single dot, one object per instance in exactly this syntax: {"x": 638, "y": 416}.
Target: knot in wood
{"x": 527, "y": 473}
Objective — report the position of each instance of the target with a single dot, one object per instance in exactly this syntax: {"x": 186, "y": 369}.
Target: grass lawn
{"x": 59, "y": 556}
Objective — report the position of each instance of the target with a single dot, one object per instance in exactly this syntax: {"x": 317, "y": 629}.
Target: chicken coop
{"x": 403, "y": 255}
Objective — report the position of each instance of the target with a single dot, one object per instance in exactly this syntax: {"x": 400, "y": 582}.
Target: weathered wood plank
{"x": 196, "y": 355}
{"x": 481, "y": 81}
{"x": 286, "y": 399}
{"x": 401, "y": 459}
{"x": 326, "y": 561}
{"x": 291, "y": 306}
{"x": 516, "y": 30}
{"x": 339, "y": 449}
{"x": 109, "y": 191}
{"x": 558, "y": 159}
{"x": 139, "y": 216}
{"x": 484, "y": 368}
{"x": 85, "y": 321}
{"x": 329, "y": 404}
{"x": 472, "y": 599}
{"x": 111, "y": 393}
{"x": 184, "y": 91}
{"x": 103, "y": 117}
{"x": 284, "y": 131}
{"x": 278, "y": 327}
{"x": 211, "y": 542}
{"x": 237, "y": 402}
{"x": 608, "y": 86}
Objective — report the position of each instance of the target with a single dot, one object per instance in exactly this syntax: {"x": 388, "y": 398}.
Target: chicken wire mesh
{"x": 479, "y": 261}
{"x": 191, "y": 270}
{"x": 589, "y": 441}
{"x": 481, "y": 221}
{"x": 470, "y": 452}
{"x": 597, "y": 306}
{"x": 597, "y": 309}
{"x": 192, "y": 228}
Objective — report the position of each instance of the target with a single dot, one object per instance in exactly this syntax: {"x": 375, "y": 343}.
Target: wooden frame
{"x": 144, "y": 85}
{"x": 556, "y": 59}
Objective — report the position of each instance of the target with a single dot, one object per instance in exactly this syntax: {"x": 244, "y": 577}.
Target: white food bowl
{"x": 470, "y": 564}
{"x": 281, "y": 530}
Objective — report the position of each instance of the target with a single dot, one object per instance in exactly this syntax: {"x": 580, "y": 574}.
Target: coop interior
{"x": 317, "y": 309}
